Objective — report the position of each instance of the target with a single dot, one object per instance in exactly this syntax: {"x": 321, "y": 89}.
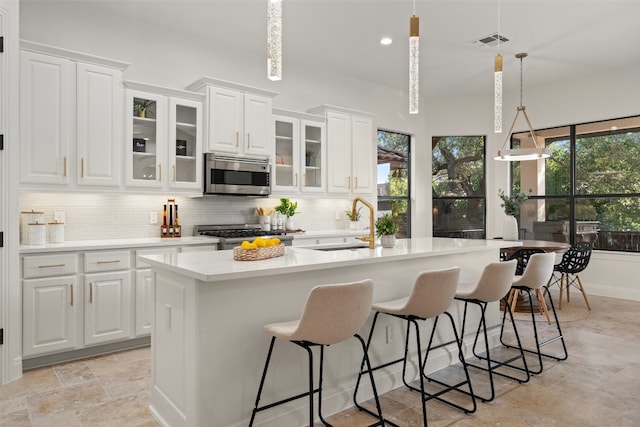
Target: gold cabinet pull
{"x": 237, "y": 138}
{"x": 82, "y": 167}
{"x": 51, "y": 265}
{"x": 113, "y": 261}
{"x": 356, "y": 182}
{"x": 72, "y": 295}
{"x": 90, "y": 292}
{"x": 348, "y": 182}
{"x": 64, "y": 162}
{"x": 248, "y": 139}
{"x": 159, "y": 171}
{"x": 296, "y": 179}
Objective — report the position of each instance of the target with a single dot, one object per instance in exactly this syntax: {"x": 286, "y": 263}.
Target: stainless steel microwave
{"x": 238, "y": 176}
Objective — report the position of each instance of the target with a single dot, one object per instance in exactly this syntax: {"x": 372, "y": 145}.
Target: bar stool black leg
{"x": 264, "y": 375}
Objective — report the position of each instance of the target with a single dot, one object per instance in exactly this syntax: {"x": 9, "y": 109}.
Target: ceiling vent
{"x": 490, "y": 40}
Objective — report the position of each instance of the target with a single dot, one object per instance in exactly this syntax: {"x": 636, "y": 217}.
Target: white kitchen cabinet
{"x": 165, "y": 142}
{"x": 50, "y": 303}
{"x": 71, "y": 118}
{"x": 238, "y": 118}
{"x": 144, "y": 290}
{"x": 107, "y": 307}
{"x": 47, "y": 109}
{"x": 350, "y": 150}
{"x": 299, "y": 153}
{"x": 107, "y": 296}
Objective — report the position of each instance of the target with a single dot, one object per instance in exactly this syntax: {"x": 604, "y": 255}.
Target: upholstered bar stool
{"x": 493, "y": 286}
{"x": 432, "y": 294}
{"x": 535, "y": 277}
{"x": 332, "y": 314}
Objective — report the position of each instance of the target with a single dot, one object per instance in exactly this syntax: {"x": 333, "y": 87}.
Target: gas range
{"x": 231, "y": 235}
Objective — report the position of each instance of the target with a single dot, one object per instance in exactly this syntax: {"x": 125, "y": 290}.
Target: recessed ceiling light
{"x": 386, "y": 41}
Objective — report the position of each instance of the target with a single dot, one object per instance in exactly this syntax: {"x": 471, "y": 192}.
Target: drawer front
{"x": 49, "y": 265}
{"x": 152, "y": 251}
{"x": 106, "y": 261}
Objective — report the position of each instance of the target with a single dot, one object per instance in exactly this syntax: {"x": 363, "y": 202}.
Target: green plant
{"x": 353, "y": 216}
{"x": 386, "y": 225}
{"x": 511, "y": 204}
{"x": 287, "y": 207}
{"x": 141, "y": 105}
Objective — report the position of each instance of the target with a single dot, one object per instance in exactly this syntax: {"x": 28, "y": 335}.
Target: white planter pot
{"x": 354, "y": 225}
{"x": 289, "y": 224}
{"x": 388, "y": 240}
{"x": 510, "y": 228}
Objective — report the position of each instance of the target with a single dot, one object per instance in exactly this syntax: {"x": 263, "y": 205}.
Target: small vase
{"x": 353, "y": 225}
{"x": 288, "y": 224}
{"x": 510, "y": 228}
{"x": 388, "y": 240}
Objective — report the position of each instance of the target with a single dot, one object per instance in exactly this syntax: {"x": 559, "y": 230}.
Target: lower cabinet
{"x": 50, "y": 315}
{"x": 76, "y": 300}
{"x": 107, "y": 309}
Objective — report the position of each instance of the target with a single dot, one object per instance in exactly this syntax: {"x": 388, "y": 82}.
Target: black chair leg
{"x": 264, "y": 374}
{"x": 538, "y": 349}
{"x": 493, "y": 364}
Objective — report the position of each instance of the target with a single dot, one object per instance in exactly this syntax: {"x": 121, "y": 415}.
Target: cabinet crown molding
{"x": 161, "y": 90}
{"x": 204, "y": 82}
{"x": 298, "y": 115}
{"x": 323, "y": 109}
{"x": 71, "y": 54}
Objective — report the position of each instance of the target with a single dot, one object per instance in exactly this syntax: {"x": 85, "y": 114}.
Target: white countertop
{"x": 141, "y": 242}
{"x": 213, "y": 266}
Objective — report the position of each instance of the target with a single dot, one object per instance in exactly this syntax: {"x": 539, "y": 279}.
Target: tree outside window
{"x": 393, "y": 187}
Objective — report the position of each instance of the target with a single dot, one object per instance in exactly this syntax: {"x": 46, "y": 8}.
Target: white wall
{"x": 171, "y": 59}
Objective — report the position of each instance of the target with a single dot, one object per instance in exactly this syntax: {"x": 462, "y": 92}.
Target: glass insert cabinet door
{"x": 286, "y": 161}
{"x": 312, "y": 137}
{"x": 147, "y": 141}
{"x": 184, "y": 142}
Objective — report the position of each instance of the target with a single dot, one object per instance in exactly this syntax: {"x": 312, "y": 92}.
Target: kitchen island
{"x": 208, "y": 345}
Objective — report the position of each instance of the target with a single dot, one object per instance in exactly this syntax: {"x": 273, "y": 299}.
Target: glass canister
{"x": 26, "y": 218}
{"x": 55, "y": 231}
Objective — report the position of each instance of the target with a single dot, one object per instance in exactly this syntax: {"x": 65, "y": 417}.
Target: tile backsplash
{"x": 117, "y": 216}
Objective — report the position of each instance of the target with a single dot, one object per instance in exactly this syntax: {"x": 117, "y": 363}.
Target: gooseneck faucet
{"x": 371, "y": 238}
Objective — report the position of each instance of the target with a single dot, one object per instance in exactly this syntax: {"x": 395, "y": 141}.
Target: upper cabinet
{"x": 71, "y": 118}
{"x": 164, "y": 138}
{"x": 239, "y": 119}
{"x": 299, "y": 159}
{"x": 351, "y": 150}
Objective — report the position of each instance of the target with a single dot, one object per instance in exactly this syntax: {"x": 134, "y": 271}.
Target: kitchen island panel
{"x": 225, "y": 345}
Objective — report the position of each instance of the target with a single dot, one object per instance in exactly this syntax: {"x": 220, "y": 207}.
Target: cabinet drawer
{"x": 152, "y": 251}
{"x": 49, "y": 265}
{"x": 106, "y": 261}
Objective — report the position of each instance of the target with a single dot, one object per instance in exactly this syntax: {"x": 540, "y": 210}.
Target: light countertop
{"x": 220, "y": 265}
{"x": 141, "y": 242}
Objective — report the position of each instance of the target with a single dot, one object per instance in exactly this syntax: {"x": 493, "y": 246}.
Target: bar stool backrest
{"x": 539, "y": 270}
{"x": 432, "y": 293}
{"x": 522, "y": 255}
{"x": 334, "y": 313}
{"x": 575, "y": 259}
{"x": 495, "y": 281}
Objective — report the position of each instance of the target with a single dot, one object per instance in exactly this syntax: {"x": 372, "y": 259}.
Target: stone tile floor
{"x": 596, "y": 386}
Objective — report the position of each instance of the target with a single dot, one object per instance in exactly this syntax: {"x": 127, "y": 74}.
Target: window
{"x": 458, "y": 182}
{"x": 589, "y": 190}
{"x": 394, "y": 186}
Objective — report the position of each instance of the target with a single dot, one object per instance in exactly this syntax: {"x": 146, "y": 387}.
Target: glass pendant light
{"x": 274, "y": 40}
{"x": 414, "y": 61}
{"x": 497, "y": 85}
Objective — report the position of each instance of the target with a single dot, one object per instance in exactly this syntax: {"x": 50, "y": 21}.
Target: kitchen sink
{"x": 341, "y": 246}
